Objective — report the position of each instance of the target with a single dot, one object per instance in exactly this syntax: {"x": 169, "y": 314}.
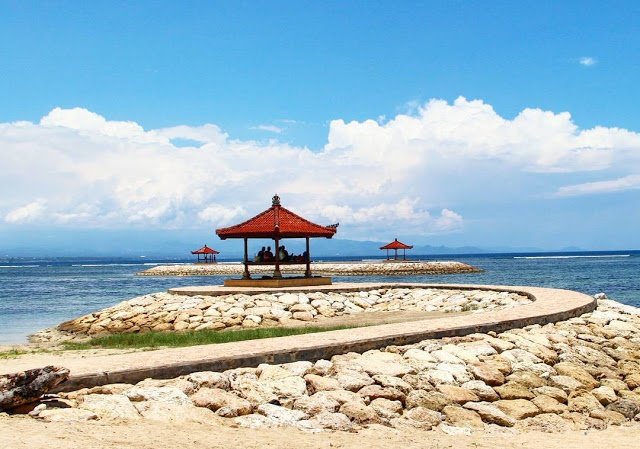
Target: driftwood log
{"x": 28, "y": 386}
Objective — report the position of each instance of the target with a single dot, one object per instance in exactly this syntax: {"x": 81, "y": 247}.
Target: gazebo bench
{"x": 282, "y": 262}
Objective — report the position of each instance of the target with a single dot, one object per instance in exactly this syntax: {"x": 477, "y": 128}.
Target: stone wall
{"x": 320, "y": 268}
{"x": 583, "y": 373}
{"x": 171, "y": 312}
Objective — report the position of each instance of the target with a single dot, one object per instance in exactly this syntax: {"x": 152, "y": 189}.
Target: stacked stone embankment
{"x": 173, "y": 312}
{"x": 319, "y": 268}
{"x": 583, "y": 373}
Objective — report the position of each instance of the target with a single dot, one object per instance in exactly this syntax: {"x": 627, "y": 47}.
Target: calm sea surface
{"x": 35, "y": 294}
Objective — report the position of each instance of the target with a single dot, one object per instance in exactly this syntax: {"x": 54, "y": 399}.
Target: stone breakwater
{"x": 173, "y": 312}
{"x": 583, "y": 373}
{"x": 318, "y": 268}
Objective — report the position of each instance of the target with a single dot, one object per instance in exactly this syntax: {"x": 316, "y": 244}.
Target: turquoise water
{"x": 35, "y": 294}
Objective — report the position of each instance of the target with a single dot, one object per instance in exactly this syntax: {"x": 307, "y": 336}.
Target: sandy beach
{"x": 26, "y": 433}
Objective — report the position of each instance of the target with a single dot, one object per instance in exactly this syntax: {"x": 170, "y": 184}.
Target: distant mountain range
{"x": 178, "y": 244}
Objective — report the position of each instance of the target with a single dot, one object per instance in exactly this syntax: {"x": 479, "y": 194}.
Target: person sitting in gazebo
{"x": 283, "y": 254}
{"x": 260, "y": 256}
{"x": 268, "y": 255}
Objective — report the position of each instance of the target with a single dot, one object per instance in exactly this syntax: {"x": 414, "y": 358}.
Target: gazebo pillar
{"x": 246, "y": 274}
{"x": 276, "y": 272}
{"x": 307, "y": 272}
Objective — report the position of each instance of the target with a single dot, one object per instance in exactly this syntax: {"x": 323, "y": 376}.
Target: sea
{"x": 40, "y": 293}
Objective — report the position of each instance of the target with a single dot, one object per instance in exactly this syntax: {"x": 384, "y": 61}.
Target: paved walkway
{"x": 550, "y": 305}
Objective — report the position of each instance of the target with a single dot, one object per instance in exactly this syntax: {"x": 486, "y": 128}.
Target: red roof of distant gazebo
{"x": 277, "y": 221}
{"x": 205, "y": 250}
{"x": 396, "y": 244}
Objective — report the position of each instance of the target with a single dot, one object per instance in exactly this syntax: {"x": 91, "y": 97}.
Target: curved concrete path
{"x": 550, "y": 305}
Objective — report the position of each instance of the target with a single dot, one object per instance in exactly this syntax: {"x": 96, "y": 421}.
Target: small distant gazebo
{"x": 206, "y": 254}
{"x": 396, "y": 245}
{"x": 277, "y": 223}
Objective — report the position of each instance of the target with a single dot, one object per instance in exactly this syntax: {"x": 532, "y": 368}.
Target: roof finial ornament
{"x": 275, "y": 201}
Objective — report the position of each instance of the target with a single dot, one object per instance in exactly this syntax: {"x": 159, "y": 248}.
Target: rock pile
{"x": 172, "y": 312}
{"x": 319, "y": 268}
{"x": 583, "y": 373}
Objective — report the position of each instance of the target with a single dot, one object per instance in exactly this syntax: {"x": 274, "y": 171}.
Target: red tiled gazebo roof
{"x": 277, "y": 221}
{"x": 205, "y": 250}
{"x": 396, "y": 244}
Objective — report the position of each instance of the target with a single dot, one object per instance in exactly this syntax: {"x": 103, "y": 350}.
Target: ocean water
{"x": 35, "y": 294}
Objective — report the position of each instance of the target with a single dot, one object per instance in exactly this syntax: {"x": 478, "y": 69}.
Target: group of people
{"x": 265, "y": 255}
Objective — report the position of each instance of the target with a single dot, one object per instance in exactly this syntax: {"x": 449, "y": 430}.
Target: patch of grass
{"x": 193, "y": 338}
{"x": 469, "y": 306}
{"x": 14, "y": 353}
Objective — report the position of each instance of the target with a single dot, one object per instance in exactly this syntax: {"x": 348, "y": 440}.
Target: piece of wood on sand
{"x": 28, "y": 386}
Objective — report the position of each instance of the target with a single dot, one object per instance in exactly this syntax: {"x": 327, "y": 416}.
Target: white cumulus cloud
{"x": 26, "y": 213}
{"x": 631, "y": 182}
{"x": 269, "y": 128}
{"x": 221, "y": 215}
{"x": 415, "y": 172}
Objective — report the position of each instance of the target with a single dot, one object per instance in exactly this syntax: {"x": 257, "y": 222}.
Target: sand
{"x": 25, "y": 432}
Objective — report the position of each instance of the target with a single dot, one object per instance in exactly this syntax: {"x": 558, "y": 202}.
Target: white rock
{"x": 376, "y": 362}
{"x": 482, "y": 390}
{"x": 169, "y": 412}
{"x": 281, "y": 415}
{"x": 254, "y": 421}
{"x": 520, "y": 359}
{"x": 478, "y": 348}
{"x": 625, "y": 329}
{"x": 322, "y": 366}
{"x": 447, "y": 357}
{"x": 332, "y": 421}
{"x": 288, "y": 299}
{"x": 209, "y": 379}
{"x": 299, "y": 368}
{"x": 114, "y": 406}
{"x": 318, "y": 303}
{"x": 437, "y": 376}
{"x": 419, "y": 354}
{"x": 66, "y": 415}
{"x": 459, "y": 372}
{"x": 160, "y": 394}
{"x": 353, "y": 380}
{"x": 255, "y": 318}
{"x": 312, "y": 405}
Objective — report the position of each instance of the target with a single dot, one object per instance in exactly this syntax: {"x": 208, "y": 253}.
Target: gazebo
{"x": 396, "y": 245}
{"x": 277, "y": 223}
{"x": 209, "y": 254}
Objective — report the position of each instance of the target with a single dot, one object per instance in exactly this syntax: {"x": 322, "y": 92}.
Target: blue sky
{"x": 269, "y": 80}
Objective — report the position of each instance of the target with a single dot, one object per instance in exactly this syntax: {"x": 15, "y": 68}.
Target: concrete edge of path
{"x": 550, "y": 305}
